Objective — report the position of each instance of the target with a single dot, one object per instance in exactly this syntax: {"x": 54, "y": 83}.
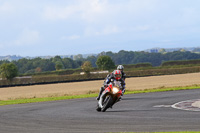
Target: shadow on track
{"x": 112, "y": 111}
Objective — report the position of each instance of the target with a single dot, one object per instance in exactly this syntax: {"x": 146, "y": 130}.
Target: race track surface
{"x": 136, "y": 112}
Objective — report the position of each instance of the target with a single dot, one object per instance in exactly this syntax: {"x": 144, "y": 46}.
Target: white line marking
{"x": 186, "y": 105}
{"x": 162, "y": 106}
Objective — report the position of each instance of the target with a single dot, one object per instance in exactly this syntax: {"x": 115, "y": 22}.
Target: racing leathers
{"x": 123, "y": 75}
{"x": 110, "y": 78}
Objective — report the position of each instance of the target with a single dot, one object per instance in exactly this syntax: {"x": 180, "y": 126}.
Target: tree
{"x": 78, "y": 57}
{"x": 59, "y": 65}
{"x": 8, "y": 71}
{"x": 23, "y": 65}
{"x": 105, "y": 63}
{"x": 196, "y": 50}
{"x": 68, "y": 63}
{"x": 87, "y": 67}
{"x": 56, "y": 58}
{"x": 38, "y": 70}
{"x": 163, "y": 51}
{"x": 182, "y": 50}
{"x": 93, "y": 60}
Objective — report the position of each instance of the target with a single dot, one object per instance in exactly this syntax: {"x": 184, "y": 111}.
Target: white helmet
{"x": 120, "y": 67}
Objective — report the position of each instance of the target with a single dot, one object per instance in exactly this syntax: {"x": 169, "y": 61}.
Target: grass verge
{"x": 33, "y": 100}
{"x": 166, "y": 132}
{"x": 163, "y": 88}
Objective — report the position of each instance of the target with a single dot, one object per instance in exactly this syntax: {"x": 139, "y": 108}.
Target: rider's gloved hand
{"x": 123, "y": 90}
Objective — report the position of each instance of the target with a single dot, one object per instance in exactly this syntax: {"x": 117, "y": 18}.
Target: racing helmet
{"x": 117, "y": 74}
{"x": 120, "y": 67}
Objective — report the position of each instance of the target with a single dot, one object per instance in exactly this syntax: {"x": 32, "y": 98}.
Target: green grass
{"x": 90, "y": 94}
{"x": 166, "y": 132}
{"x": 161, "y": 89}
{"x": 34, "y": 100}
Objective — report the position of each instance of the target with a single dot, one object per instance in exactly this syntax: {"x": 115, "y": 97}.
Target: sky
{"x": 70, "y": 27}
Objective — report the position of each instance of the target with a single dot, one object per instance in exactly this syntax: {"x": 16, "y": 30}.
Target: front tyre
{"x": 98, "y": 108}
{"x": 107, "y": 103}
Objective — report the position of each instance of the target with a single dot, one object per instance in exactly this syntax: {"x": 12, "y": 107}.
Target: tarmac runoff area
{"x": 196, "y": 104}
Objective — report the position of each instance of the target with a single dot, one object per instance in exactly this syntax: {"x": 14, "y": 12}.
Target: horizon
{"x": 44, "y": 28}
{"x": 88, "y": 54}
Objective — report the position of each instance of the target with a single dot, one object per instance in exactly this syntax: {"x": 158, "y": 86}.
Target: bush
{"x": 8, "y": 71}
{"x": 156, "y": 72}
{"x": 186, "y": 62}
{"x": 50, "y": 79}
{"x": 105, "y": 62}
{"x": 74, "y": 78}
{"x": 139, "y": 65}
{"x": 87, "y": 67}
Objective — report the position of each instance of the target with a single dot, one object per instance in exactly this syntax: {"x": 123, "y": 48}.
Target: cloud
{"x": 107, "y": 30}
{"x": 59, "y": 13}
{"x": 110, "y": 30}
{"x": 87, "y": 10}
{"x": 72, "y": 37}
{"x": 6, "y": 7}
{"x": 142, "y": 28}
{"x": 190, "y": 15}
{"x": 97, "y": 21}
{"x": 94, "y": 10}
{"x": 27, "y": 37}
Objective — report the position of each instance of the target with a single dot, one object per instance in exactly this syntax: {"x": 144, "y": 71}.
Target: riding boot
{"x": 100, "y": 92}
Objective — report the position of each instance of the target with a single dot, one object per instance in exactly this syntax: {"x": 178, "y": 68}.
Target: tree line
{"x": 156, "y": 59}
{"x": 122, "y": 57}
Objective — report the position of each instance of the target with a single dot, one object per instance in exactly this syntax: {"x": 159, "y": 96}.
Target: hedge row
{"x": 50, "y": 79}
{"x": 157, "y": 72}
{"x": 186, "y": 62}
{"x": 75, "y": 78}
{"x": 60, "y": 72}
{"x": 137, "y": 65}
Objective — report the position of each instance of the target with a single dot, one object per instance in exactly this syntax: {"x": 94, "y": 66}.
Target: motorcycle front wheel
{"x": 107, "y": 103}
{"x": 98, "y": 108}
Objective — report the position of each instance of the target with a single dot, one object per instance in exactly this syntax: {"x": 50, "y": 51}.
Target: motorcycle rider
{"x": 121, "y": 68}
{"x": 115, "y": 75}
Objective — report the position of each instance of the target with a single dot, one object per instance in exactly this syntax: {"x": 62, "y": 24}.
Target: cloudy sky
{"x": 63, "y": 27}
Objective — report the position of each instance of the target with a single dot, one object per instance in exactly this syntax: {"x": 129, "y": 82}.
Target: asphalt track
{"x": 136, "y": 112}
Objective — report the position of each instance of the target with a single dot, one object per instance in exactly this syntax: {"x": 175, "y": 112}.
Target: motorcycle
{"x": 109, "y": 96}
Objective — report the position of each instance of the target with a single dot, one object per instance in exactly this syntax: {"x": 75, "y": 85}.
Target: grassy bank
{"x": 34, "y": 100}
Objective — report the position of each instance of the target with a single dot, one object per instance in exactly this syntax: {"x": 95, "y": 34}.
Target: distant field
{"x": 76, "y": 88}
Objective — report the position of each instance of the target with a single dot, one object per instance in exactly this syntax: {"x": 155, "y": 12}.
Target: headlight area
{"x": 115, "y": 90}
